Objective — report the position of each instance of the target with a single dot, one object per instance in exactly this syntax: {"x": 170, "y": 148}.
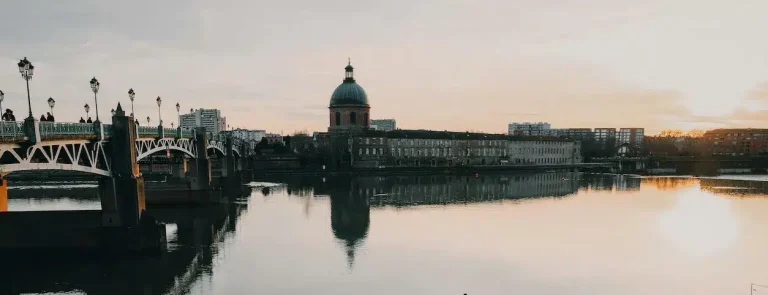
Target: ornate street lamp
{"x": 27, "y": 70}
{"x": 95, "y": 87}
{"x": 2, "y": 97}
{"x": 131, "y": 95}
{"x": 178, "y": 108}
{"x": 87, "y": 110}
{"x": 51, "y": 104}
{"x": 159, "y": 102}
{"x": 171, "y": 125}
{"x": 147, "y": 120}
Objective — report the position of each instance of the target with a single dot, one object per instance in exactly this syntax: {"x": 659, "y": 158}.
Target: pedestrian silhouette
{"x": 10, "y": 114}
{"x": 7, "y": 115}
{"x": 137, "y": 122}
{"x": 82, "y": 120}
{"x": 49, "y": 118}
{"x": 42, "y": 118}
{"x": 89, "y": 120}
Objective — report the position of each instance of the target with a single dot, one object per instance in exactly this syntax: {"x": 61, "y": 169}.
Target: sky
{"x": 430, "y": 64}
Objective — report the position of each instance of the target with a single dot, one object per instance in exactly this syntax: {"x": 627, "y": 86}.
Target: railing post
{"x": 99, "y": 128}
{"x": 32, "y": 130}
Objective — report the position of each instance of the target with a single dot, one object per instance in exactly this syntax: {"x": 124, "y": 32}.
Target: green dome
{"x": 349, "y": 92}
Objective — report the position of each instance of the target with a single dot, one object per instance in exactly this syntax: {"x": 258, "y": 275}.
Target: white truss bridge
{"x": 76, "y": 147}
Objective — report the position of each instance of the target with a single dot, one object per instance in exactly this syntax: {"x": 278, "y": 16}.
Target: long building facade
{"x": 351, "y": 143}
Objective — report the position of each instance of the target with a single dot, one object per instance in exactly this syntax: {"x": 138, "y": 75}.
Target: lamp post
{"x": 171, "y": 125}
{"x": 27, "y": 70}
{"x": 131, "y": 95}
{"x": 51, "y": 104}
{"x": 87, "y": 110}
{"x": 2, "y": 97}
{"x": 95, "y": 87}
{"x": 178, "y": 115}
{"x": 147, "y": 120}
{"x": 159, "y": 117}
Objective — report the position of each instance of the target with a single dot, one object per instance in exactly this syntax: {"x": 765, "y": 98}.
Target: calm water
{"x": 549, "y": 233}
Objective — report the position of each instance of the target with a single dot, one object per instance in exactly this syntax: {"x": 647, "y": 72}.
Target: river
{"x": 545, "y": 233}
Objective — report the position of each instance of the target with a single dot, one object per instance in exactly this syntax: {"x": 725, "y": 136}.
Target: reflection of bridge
{"x": 198, "y": 233}
{"x": 110, "y": 151}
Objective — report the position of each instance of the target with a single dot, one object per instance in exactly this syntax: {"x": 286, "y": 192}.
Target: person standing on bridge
{"x": 49, "y": 118}
{"x": 7, "y": 115}
{"x": 82, "y": 120}
{"x": 89, "y": 120}
{"x": 42, "y": 118}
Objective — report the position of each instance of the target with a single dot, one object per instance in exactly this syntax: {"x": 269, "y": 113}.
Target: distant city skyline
{"x": 457, "y": 65}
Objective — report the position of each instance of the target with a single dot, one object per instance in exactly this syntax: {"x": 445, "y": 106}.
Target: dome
{"x": 349, "y": 92}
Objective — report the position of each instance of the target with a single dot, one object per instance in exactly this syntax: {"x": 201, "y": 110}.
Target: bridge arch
{"x": 147, "y": 147}
{"x": 69, "y": 155}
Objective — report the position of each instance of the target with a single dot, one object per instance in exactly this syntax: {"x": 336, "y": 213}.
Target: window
{"x": 374, "y": 151}
{"x": 366, "y": 151}
{"x": 359, "y": 151}
{"x": 352, "y": 118}
{"x": 381, "y": 151}
{"x": 338, "y": 119}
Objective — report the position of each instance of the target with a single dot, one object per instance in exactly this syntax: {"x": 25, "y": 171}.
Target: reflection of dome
{"x": 350, "y": 219}
{"x": 349, "y": 92}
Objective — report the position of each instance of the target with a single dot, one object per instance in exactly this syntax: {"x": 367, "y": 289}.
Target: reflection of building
{"x": 529, "y": 129}
{"x": 418, "y": 190}
{"x": 350, "y": 216}
{"x": 384, "y": 124}
{"x": 211, "y": 119}
{"x": 351, "y": 143}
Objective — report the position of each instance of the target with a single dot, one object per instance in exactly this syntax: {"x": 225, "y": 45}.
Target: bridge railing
{"x": 11, "y": 131}
{"x": 66, "y": 130}
{"x": 148, "y": 131}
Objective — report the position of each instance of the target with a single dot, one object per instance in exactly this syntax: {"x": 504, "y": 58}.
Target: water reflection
{"x": 197, "y": 234}
{"x": 350, "y": 216}
{"x": 546, "y": 233}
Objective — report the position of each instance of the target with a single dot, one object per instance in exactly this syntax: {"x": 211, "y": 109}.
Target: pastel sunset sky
{"x": 432, "y": 64}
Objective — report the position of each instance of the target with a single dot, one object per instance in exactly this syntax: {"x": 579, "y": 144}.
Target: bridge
{"x": 111, "y": 152}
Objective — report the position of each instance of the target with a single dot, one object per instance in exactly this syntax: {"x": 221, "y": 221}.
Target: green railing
{"x": 12, "y": 131}
{"x": 148, "y": 131}
{"x": 66, "y": 130}
{"x": 107, "y": 130}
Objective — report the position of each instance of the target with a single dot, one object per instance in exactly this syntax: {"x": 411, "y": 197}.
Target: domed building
{"x": 349, "y": 109}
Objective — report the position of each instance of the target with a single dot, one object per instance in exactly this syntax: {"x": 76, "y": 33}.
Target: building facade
{"x": 736, "y": 142}
{"x": 211, "y": 119}
{"x": 384, "y": 124}
{"x": 420, "y": 148}
{"x": 249, "y": 135}
{"x": 350, "y": 142}
{"x": 581, "y": 134}
{"x": 631, "y": 137}
{"x": 529, "y": 129}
